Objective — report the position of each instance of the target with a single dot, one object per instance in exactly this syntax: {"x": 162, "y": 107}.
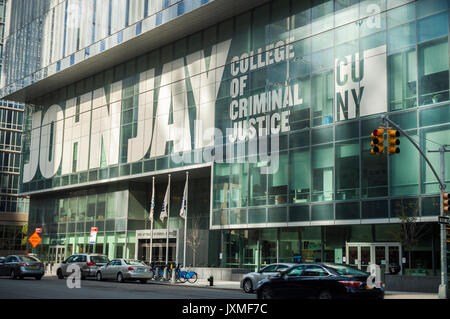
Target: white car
{"x": 124, "y": 269}
{"x": 250, "y": 280}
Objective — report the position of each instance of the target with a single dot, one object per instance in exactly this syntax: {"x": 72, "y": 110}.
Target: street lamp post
{"x": 444, "y": 275}
{"x": 443, "y": 286}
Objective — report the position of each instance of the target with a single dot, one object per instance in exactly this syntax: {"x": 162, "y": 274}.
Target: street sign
{"x": 444, "y": 220}
{"x": 93, "y": 236}
{"x": 34, "y": 239}
{"x": 38, "y": 230}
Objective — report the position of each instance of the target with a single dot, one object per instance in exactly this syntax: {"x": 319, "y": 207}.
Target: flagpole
{"x": 168, "y": 219}
{"x": 185, "y": 220}
{"x": 151, "y": 221}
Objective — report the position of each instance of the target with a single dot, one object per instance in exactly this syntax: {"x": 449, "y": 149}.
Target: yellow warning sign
{"x": 34, "y": 239}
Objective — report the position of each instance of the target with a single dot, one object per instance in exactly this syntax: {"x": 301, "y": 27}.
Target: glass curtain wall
{"x": 329, "y": 160}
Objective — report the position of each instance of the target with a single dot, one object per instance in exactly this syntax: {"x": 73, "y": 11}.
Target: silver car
{"x": 88, "y": 263}
{"x": 250, "y": 280}
{"x": 121, "y": 269}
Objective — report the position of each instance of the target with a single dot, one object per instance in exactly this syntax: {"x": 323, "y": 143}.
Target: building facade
{"x": 268, "y": 105}
{"x": 13, "y": 209}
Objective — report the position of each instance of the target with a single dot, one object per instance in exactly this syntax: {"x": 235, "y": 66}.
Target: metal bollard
{"x": 211, "y": 280}
{"x": 172, "y": 280}
{"x": 165, "y": 273}
{"x": 156, "y": 274}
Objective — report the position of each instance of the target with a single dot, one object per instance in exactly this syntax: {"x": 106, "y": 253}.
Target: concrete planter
{"x": 225, "y": 274}
{"x": 427, "y": 284}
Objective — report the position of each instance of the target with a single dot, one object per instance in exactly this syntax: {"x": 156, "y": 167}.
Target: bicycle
{"x": 179, "y": 275}
{"x": 183, "y": 276}
{"x": 191, "y": 276}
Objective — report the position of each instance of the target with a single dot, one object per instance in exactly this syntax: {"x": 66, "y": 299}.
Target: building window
{"x": 405, "y": 181}
{"x": 433, "y": 72}
{"x": 300, "y": 172}
{"x": 347, "y": 171}
{"x": 258, "y": 186}
{"x": 322, "y": 174}
{"x": 278, "y": 181}
{"x": 402, "y": 79}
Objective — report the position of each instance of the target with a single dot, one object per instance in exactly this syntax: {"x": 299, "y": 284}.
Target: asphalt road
{"x": 53, "y": 288}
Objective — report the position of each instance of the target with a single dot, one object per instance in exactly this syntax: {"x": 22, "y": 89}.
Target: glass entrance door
{"x": 380, "y": 259}
{"x": 352, "y": 256}
{"x": 394, "y": 256}
{"x": 361, "y": 255}
{"x": 60, "y": 254}
{"x": 365, "y": 257}
{"x": 159, "y": 252}
{"x": 56, "y": 254}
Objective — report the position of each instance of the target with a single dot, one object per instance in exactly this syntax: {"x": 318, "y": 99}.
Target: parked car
{"x": 20, "y": 266}
{"x": 318, "y": 281}
{"x": 250, "y": 280}
{"x": 88, "y": 263}
{"x": 124, "y": 269}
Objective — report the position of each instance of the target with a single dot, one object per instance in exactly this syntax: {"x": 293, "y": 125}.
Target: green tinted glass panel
{"x": 322, "y": 212}
{"x": 375, "y": 209}
{"x": 347, "y": 211}
{"x": 298, "y": 213}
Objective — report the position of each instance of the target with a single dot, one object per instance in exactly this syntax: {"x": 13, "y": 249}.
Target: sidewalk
{"x": 235, "y": 285}
{"x": 409, "y": 295}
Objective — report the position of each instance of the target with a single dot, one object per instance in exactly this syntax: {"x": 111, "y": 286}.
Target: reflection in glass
{"x": 433, "y": 72}
{"x": 402, "y": 79}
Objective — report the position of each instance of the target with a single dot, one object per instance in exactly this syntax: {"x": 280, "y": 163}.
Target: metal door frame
{"x": 56, "y": 256}
{"x": 372, "y": 246}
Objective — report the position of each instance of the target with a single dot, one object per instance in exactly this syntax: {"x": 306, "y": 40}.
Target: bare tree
{"x": 193, "y": 237}
{"x": 410, "y": 231}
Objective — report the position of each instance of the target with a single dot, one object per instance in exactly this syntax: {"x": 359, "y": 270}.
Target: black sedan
{"x": 318, "y": 281}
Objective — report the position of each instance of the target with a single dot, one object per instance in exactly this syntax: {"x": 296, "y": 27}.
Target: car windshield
{"x": 134, "y": 262}
{"x": 99, "y": 259}
{"x": 347, "y": 270}
{"x": 28, "y": 258}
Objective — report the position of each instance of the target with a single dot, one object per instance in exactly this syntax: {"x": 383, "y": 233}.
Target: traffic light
{"x": 377, "y": 141}
{"x": 445, "y": 203}
{"x": 393, "y": 141}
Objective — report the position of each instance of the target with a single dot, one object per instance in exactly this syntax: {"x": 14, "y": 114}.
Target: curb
{"x": 167, "y": 283}
{"x": 190, "y": 285}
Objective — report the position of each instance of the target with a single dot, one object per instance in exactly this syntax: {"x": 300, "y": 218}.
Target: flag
{"x": 183, "y": 210}
{"x": 164, "y": 213}
{"x": 152, "y": 205}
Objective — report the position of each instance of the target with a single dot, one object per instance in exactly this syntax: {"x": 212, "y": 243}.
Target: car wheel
{"x": 325, "y": 295}
{"x": 120, "y": 277}
{"x": 248, "y": 286}
{"x": 99, "y": 276}
{"x": 38, "y": 277}
{"x": 13, "y": 274}
{"x": 59, "y": 274}
{"x": 143, "y": 281}
{"x": 266, "y": 293}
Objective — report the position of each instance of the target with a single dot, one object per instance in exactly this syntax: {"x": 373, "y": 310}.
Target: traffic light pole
{"x": 443, "y": 287}
{"x": 444, "y": 279}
